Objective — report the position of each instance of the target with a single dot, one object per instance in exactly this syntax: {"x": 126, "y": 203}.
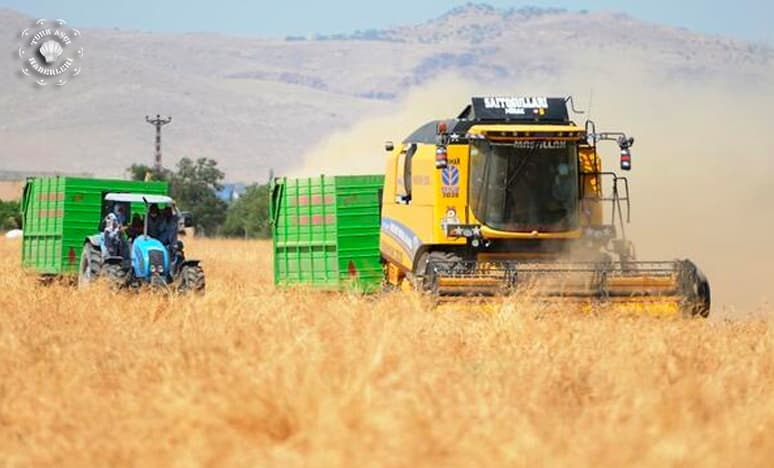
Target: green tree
{"x": 145, "y": 172}
{"x": 10, "y": 216}
{"x": 193, "y": 186}
{"x": 248, "y": 216}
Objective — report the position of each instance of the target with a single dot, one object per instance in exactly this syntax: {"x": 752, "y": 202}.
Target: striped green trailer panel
{"x": 60, "y": 212}
{"x": 326, "y": 232}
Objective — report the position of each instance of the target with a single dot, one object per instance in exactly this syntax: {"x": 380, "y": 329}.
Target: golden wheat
{"x": 249, "y": 375}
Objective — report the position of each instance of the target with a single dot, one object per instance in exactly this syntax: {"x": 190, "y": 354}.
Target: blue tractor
{"x": 142, "y": 251}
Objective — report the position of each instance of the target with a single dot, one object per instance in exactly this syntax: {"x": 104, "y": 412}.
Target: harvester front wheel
{"x": 191, "y": 279}
{"x": 90, "y": 266}
{"x": 438, "y": 262}
{"x": 699, "y": 304}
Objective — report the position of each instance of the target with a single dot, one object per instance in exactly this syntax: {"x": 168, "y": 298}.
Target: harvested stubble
{"x": 251, "y": 376}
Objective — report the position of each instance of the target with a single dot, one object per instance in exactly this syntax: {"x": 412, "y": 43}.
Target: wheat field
{"x": 252, "y": 376}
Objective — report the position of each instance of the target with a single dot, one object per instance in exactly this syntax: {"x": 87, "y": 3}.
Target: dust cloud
{"x": 702, "y": 164}
{"x": 360, "y": 148}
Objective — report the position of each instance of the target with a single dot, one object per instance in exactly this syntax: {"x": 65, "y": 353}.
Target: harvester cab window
{"x": 403, "y": 174}
{"x": 525, "y": 186}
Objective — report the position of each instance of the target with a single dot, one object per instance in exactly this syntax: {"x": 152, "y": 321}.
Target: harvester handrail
{"x": 615, "y": 198}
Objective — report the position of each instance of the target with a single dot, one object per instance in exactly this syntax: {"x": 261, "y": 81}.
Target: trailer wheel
{"x": 90, "y": 266}
{"x": 191, "y": 279}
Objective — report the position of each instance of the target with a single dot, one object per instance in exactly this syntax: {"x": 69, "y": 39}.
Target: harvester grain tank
{"x": 511, "y": 196}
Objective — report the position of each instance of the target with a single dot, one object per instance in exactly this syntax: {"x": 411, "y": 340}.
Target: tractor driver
{"x": 154, "y": 221}
{"x": 113, "y": 241}
{"x": 120, "y": 210}
{"x": 136, "y": 227}
{"x": 168, "y": 231}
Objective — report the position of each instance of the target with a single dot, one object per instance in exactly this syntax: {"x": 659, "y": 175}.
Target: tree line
{"x": 193, "y": 184}
{"x": 10, "y": 216}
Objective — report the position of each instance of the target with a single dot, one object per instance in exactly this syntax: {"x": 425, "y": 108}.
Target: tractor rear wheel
{"x": 90, "y": 266}
{"x": 191, "y": 279}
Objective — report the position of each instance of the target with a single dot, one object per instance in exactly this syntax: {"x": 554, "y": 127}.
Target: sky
{"x": 744, "y": 19}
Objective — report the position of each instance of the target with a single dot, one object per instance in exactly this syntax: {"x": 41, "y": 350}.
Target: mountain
{"x": 255, "y": 103}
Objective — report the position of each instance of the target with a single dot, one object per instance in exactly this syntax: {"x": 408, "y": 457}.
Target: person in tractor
{"x": 120, "y": 210}
{"x": 113, "y": 238}
{"x": 136, "y": 227}
{"x": 168, "y": 231}
{"x": 155, "y": 221}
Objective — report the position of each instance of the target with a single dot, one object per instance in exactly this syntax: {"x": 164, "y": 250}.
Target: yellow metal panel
{"x": 451, "y": 199}
{"x": 423, "y": 181}
{"x": 495, "y": 234}
{"x": 591, "y": 207}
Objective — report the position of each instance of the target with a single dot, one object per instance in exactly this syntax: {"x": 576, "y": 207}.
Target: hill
{"x": 257, "y": 103}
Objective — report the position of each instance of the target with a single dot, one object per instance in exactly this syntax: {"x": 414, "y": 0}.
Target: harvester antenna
{"x": 158, "y": 122}
{"x": 591, "y": 101}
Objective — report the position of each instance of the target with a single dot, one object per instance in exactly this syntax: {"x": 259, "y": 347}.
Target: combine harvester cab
{"x": 511, "y": 198}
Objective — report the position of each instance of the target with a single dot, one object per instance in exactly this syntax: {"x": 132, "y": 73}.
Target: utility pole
{"x": 158, "y": 122}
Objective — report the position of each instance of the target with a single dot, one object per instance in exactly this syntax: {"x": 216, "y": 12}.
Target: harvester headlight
{"x": 441, "y": 157}
{"x": 626, "y": 159}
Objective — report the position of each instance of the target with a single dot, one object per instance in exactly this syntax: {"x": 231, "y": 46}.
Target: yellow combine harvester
{"x": 511, "y": 197}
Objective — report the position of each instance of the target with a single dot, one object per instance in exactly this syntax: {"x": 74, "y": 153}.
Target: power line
{"x": 158, "y": 122}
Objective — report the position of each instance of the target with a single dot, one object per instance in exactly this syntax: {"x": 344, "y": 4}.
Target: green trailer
{"x": 326, "y": 232}
{"x": 60, "y": 212}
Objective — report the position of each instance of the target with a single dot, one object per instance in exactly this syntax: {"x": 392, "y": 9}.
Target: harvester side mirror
{"x": 388, "y": 146}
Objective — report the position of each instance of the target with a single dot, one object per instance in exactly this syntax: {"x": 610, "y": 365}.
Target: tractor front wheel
{"x": 90, "y": 266}
{"x": 115, "y": 274}
{"x": 191, "y": 279}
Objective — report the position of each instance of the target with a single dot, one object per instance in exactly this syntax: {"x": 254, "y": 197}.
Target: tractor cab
{"x": 137, "y": 243}
{"x": 138, "y": 208}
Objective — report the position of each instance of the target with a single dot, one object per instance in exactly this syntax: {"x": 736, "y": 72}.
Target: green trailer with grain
{"x": 326, "y": 232}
